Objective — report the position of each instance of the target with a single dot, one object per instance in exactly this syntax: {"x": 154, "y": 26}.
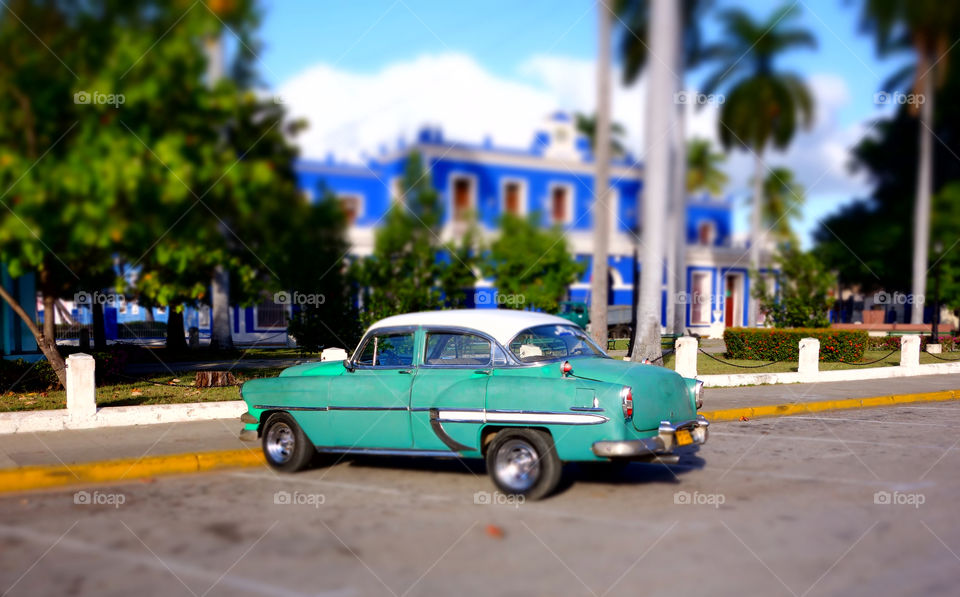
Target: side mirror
{"x": 348, "y": 365}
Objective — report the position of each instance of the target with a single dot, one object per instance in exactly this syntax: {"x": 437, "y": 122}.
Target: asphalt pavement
{"x": 845, "y": 503}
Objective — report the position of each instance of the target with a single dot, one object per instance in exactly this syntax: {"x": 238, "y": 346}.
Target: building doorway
{"x": 733, "y": 300}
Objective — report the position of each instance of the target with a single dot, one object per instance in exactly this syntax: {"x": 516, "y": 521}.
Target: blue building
{"x": 554, "y": 178}
{"x": 16, "y": 341}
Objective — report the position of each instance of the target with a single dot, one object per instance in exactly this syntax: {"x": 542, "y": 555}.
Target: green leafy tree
{"x": 410, "y": 269}
{"x": 763, "y": 106}
{"x": 314, "y": 267}
{"x": 782, "y": 195}
{"x": 703, "y": 168}
{"x": 634, "y": 15}
{"x": 805, "y": 287}
{"x": 531, "y": 262}
{"x": 924, "y": 29}
{"x": 124, "y": 150}
{"x": 865, "y": 241}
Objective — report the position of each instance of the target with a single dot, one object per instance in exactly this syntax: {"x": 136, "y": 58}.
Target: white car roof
{"x": 501, "y": 324}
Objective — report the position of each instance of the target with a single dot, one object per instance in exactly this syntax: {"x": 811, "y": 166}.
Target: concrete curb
{"x": 39, "y": 477}
{"x": 734, "y": 414}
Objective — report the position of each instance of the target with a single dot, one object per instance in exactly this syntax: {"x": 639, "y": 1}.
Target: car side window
{"x": 451, "y": 348}
{"x": 387, "y": 350}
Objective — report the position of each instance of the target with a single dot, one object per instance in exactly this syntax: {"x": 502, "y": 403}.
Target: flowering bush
{"x": 893, "y": 342}
{"x": 784, "y": 344}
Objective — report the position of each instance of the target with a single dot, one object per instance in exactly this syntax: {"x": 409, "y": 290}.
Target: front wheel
{"x": 285, "y": 446}
{"x": 524, "y": 462}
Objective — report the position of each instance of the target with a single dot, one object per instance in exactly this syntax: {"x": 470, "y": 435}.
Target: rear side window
{"x": 447, "y": 348}
{"x": 387, "y": 350}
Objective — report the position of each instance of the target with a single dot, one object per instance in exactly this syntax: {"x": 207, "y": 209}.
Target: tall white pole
{"x": 921, "y": 218}
{"x": 664, "y": 21}
{"x": 601, "y": 182}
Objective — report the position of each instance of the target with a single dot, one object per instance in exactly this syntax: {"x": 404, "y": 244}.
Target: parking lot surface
{"x": 853, "y": 503}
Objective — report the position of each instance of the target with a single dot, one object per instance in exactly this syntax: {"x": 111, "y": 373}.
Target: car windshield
{"x": 553, "y": 342}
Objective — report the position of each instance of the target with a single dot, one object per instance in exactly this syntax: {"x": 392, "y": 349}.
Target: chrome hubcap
{"x": 517, "y": 465}
{"x": 280, "y": 443}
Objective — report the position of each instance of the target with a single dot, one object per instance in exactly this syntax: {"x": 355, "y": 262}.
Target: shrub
{"x": 893, "y": 342}
{"x": 783, "y": 344}
{"x": 23, "y": 376}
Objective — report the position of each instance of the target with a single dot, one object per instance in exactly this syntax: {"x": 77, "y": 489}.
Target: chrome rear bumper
{"x": 661, "y": 444}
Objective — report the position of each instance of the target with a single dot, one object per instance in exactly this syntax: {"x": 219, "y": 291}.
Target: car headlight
{"x": 698, "y": 394}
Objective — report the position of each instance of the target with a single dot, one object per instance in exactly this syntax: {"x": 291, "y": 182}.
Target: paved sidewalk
{"x": 722, "y": 398}
{"x": 111, "y": 443}
{"x": 89, "y": 445}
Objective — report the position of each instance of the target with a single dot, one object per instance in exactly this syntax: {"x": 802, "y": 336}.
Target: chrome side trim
{"x": 384, "y": 451}
{"x": 589, "y": 409}
{"x": 367, "y": 408}
{"x": 288, "y": 408}
{"x": 519, "y": 416}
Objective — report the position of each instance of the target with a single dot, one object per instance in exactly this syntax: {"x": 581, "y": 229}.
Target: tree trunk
{"x": 664, "y": 26}
{"x": 99, "y": 329}
{"x": 678, "y": 227}
{"x": 46, "y": 344}
{"x": 601, "y": 183}
{"x": 921, "y": 217}
{"x": 175, "y": 337}
{"x": 221, "y": 336}
{"x": 758, "y": 202}
{"x": 214, "y": 379}
{"x": 148, "y": 314}
{"x": 49, "y": 316}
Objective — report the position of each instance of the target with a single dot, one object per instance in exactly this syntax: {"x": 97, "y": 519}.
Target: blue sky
{"x": 364, "y": 38}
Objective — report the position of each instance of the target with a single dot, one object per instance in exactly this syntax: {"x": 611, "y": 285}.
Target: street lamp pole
{"x": 935, "y": 316}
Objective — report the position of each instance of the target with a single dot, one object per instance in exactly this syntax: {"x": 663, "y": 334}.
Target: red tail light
{"x": 566, "y": 368}
{"x": 626, "y": 397}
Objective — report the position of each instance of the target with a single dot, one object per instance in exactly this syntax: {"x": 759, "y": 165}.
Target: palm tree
{"x": 587, "y": 125}
{"x": 927, "y": 28}
{"x": 763, "y": 107}
{"x": 782, "y": 194}
{"x": 599, "y": 130}
{"x": 634, "y": 15}
{"x": 703, "y": 168}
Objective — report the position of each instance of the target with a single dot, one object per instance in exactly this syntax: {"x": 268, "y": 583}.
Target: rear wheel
{"x": 285, "y": 446}
{"x": 524, "y": 462}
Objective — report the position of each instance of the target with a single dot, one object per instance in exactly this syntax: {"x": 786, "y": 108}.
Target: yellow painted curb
{"x": 734, "y": 414}
{"x": 38, "y": 477}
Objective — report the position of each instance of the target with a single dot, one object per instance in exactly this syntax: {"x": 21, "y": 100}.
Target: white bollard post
{"x": 686, "y": 356}
{"x": 910, "y": 351}
{"x": 809, "y": 364}
{"x": 81, "y": 389}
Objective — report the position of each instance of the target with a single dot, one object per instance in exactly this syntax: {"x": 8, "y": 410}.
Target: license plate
{"x": 683, "y": 437}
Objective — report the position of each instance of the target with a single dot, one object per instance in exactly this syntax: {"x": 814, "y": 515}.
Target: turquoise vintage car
{"x": 525, "y": 391}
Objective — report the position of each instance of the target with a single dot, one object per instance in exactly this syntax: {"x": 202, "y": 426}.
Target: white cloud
{"x": 352, "y": 113}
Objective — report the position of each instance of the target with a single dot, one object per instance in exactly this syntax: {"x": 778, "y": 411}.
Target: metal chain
{"x": 883, "y": 358}
{"x": 941, "y": 358}
{"x": 742, "y": 366}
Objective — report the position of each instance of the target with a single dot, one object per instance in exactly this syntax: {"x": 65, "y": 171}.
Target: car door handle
{"x": 482, "y": 372}
{"x": 406, "y": 371}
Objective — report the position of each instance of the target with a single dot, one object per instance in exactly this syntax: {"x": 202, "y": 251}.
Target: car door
{"x": 450, "y": 386}
{"x": 369, "y": 407}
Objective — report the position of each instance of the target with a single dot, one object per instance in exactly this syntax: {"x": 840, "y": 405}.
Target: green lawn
{"x": 708, "y": 366}
{"x": 137, "y": 392}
